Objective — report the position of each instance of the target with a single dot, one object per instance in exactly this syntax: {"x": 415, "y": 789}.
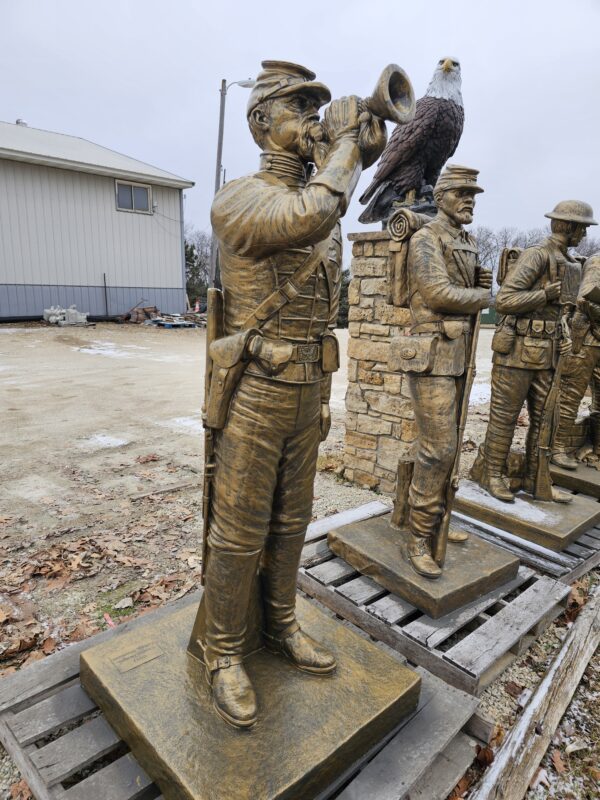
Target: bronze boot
{"x": 229, "y": 580}
{"x": 457, "y": 537}
{"x": 419, "y": 555}
{"x": 496, "y": 450}
{"x": 562, "y": 459}
{"x": 283, "y": 635}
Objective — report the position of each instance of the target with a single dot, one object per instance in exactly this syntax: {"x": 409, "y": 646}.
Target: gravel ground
{"x": 98, "y": 420}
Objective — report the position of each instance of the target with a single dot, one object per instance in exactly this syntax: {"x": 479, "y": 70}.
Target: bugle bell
{"x": 393, "y": 97}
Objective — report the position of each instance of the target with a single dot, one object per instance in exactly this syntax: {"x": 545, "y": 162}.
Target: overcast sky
{"x": 143, "y": 76}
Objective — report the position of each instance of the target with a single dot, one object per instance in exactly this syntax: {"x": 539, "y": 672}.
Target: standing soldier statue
{"x": 536, "y": 299}
{"x": 447, "y": 289}
{"x": 280, "y": 259}
{"x": 580, "y": 366}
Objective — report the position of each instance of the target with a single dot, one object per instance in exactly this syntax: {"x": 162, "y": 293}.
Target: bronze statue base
{"x": 584, "y": 479}
{"x": 309, "y": 729}
{"x": 553, "y": 525}
{"x": 471, "y": 570}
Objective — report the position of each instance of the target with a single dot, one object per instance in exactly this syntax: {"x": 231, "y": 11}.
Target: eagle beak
{"x": 447, "y": 65}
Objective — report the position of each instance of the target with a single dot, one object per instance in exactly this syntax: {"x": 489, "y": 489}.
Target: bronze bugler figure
{"x": 268, "y": 406}
{"x": 536, "y": 300}
{"x": 447, "y": 289}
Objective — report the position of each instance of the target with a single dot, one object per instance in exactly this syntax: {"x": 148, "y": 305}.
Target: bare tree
{"x": 197, "y": 262}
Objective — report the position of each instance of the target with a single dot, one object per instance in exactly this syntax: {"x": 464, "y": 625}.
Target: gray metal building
{"x": 76, "y": 217}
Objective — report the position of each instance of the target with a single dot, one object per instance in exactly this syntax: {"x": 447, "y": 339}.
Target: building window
{"x": 133, "y": 197}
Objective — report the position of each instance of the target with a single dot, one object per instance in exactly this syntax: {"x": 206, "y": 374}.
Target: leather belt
{"x": 306, "y": 353}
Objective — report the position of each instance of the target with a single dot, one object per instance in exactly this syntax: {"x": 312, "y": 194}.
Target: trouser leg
{"x": 595, "y": 410}
{"x": 435, "y": 408}
{"x": 576, "y": 377}
{"x": 536, "y": 400}
{"x": 509, "y": 390}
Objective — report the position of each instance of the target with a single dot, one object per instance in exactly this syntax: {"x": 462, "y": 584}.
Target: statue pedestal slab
{"x": 310, "y": 729}
{"x": 553, "y": 525}
{"x": 584, "y": 479}
{"x": 472, "y": 569}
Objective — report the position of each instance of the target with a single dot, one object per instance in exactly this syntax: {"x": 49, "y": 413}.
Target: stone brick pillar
{"x": 379, "y": 416}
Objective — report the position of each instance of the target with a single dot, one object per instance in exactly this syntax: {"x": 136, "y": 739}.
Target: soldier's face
{"x": 458, "y": 204}
{"x": 295, "y": 126}
{"x": 578, "y": 233}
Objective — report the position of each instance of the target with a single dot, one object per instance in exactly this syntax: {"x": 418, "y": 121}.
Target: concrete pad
{"x": 553, "y": 525}
{"x": 309, "y": 729}
{"x": 472, "y": 569}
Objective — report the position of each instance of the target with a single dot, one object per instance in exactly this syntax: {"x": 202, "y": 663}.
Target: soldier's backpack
{"x": 401, "y": 226}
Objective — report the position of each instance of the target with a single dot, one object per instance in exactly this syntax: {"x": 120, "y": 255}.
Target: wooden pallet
{"x": 66, "y": 750}
{"x": 568, "y": 565}
{"x": 468, "y": 648}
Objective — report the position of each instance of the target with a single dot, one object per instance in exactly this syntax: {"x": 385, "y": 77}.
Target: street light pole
{"x": 247, "y": 84}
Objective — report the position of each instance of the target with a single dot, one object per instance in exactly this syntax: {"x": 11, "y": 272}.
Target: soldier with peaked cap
{"x": 447, "y": 286}
{"x": 269, "y": 225}
{"x": 543, "y": 281}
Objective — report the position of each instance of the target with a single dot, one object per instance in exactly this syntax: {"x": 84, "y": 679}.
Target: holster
{"x": 229, "y": 364}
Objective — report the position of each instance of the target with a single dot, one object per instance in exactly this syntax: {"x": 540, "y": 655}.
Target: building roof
{"x": 35, "y": 146}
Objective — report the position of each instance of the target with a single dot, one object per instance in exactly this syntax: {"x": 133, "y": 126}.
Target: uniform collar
{"x": 452, "y": 230}
{"x": 285, "y": 166}
{"x": 558, "y": 245}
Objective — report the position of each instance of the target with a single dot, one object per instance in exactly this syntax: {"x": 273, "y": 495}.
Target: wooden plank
{"x": 446, "y": 771}
{"x": 478, "y": 651}
{"x": 321, "y": 527}
{"x": 391, "y": 609}
{"x": 432, "y": 632}
{"x": 74, "y": 751}
{"x": 51, "y": 714}
{"x": 20, "y": 757}
{"x": 578, "y": 551}
{"x": 442, "y": 712}
{"x": 583, "y": 568}
{"x": 27, "y": 686}
{"x": 332, "y": 572}
{"x": 535, "y": 561}
{"x": 481, "y": 727}
{"x": 388, "y": 634}
{"x": 515, "y": 763}
{"x": 361, "y": 590}
{"x": 315, "y": 553}
{"x": 588, "y": 541}
{"x": 124, "y": 779}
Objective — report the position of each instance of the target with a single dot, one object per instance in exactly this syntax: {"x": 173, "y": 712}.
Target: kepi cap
{"x": 457, "y": 177}
{"x": 281, "y": 78}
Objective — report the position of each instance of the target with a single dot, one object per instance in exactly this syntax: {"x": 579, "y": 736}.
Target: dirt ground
{"x": 100, "y": 491}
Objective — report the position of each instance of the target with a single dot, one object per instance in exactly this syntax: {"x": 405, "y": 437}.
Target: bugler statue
{"x": 268, "y": 406}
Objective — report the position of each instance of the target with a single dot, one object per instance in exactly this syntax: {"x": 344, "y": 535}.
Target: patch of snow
{"x": 100, "y": 441}
{"x": 18, "y": 330}
{"x": 533, "y": 511}
{"x": 183, "y": 423}
{"x": 107, "y": 349}
{"x": 481, "y": 393}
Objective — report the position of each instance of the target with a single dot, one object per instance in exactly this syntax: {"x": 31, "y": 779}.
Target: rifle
{"x": 543, "y": 481}
{"x": 214, "y": 330}
{"x": 441, "y": 539}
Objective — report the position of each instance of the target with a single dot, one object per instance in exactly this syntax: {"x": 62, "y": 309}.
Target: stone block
{"x": 373, "y": 286}
{"x": 354, "y": 292}
{"x": 356, "y": 314}
{"x": 375, "y": 329}
{"x": 357, "y": 249}
{"x": 361, "y": 464}
{"x": 367, "y": 350}
{"x": 381, "y": 248}
{"x": 370, "y": 378}
{"x": 369, "y": 267}
{"x": 354, "y": 399}
{"x": 388, "y": 404}
{"x": 378, "y": 427}
{"x": 352, "y": 370}
{"x": 392, "y": 383}
{"x": 389, "y": 451}
{"x": 365, "y": 479}
{"x": 366, "y": 441}
{"x": 391, "y": 315}
{"x": 354, "y": 329}
{"x": 351, "y": 419}
{"x": 366, "y": 302}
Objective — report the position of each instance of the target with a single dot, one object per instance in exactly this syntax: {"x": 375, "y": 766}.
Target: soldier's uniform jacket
{"x": 523, "y": 303}
{"x": 266, "y": 224}
{"x": 442, "y": 266}
{"x": 590, "y": 279}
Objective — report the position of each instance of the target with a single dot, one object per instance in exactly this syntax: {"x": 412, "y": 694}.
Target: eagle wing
{"x": 405, "y": 141}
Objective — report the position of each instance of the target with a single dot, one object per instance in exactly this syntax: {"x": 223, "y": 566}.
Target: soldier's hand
{"x": 553, "y": 291}
{"x": 565, "y": 347}
{"x": 325, "y": 421}
{"x": 372, "y": 137}
{"x": 485, "y": 278}
{"x": 341, "y": 117}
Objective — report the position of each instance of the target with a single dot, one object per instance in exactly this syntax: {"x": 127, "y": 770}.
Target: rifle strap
{"x": 289, "y": 290}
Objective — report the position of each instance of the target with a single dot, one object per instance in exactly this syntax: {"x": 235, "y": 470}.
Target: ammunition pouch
{"x": 414, "y": 353}
{"x": 230, "y": 360}
{"x": 504, "y": 336}
{"x": 330, "y": 353}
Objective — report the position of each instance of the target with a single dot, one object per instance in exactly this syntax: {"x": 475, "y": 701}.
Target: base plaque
{"x": 553, "y": 525}
{"x": 584, "y": 479}
{"x": 472, "y": 569}
{"x": 309, "y": 730}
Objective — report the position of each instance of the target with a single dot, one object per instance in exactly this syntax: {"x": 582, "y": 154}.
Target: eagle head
{"x": 446, "y": 81}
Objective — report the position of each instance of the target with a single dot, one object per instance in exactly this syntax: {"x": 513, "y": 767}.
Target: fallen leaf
{"x": 37, "y": 655}
{"x": 109, "y": 620}
{"x": 49, "y": 645}
{"x": 461, "y": 788}
{"x": 513, "y": 689}
{"x": 20, "y": 791}
{"x": 485, "y": 755}
{"x": 558, "y": 763}
{"x": 148, "y": 458}
{"x": 541, "y": 776}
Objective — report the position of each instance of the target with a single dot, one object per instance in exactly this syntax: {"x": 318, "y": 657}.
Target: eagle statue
{"x": 416, "y": 152}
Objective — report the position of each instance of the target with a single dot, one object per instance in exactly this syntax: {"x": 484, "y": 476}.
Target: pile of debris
{"x": 55, "y": 315}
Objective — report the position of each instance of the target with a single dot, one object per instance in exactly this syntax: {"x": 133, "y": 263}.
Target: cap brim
{"x": 470, "y": 186}
{"x": 313, "y": 88}
{"x": 580, "y": 220}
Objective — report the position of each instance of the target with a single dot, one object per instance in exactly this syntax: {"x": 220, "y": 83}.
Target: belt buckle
{"x": 308, "y": 352}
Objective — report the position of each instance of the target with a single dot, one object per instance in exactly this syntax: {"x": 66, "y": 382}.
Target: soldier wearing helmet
{"x": 538, "y": 290}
